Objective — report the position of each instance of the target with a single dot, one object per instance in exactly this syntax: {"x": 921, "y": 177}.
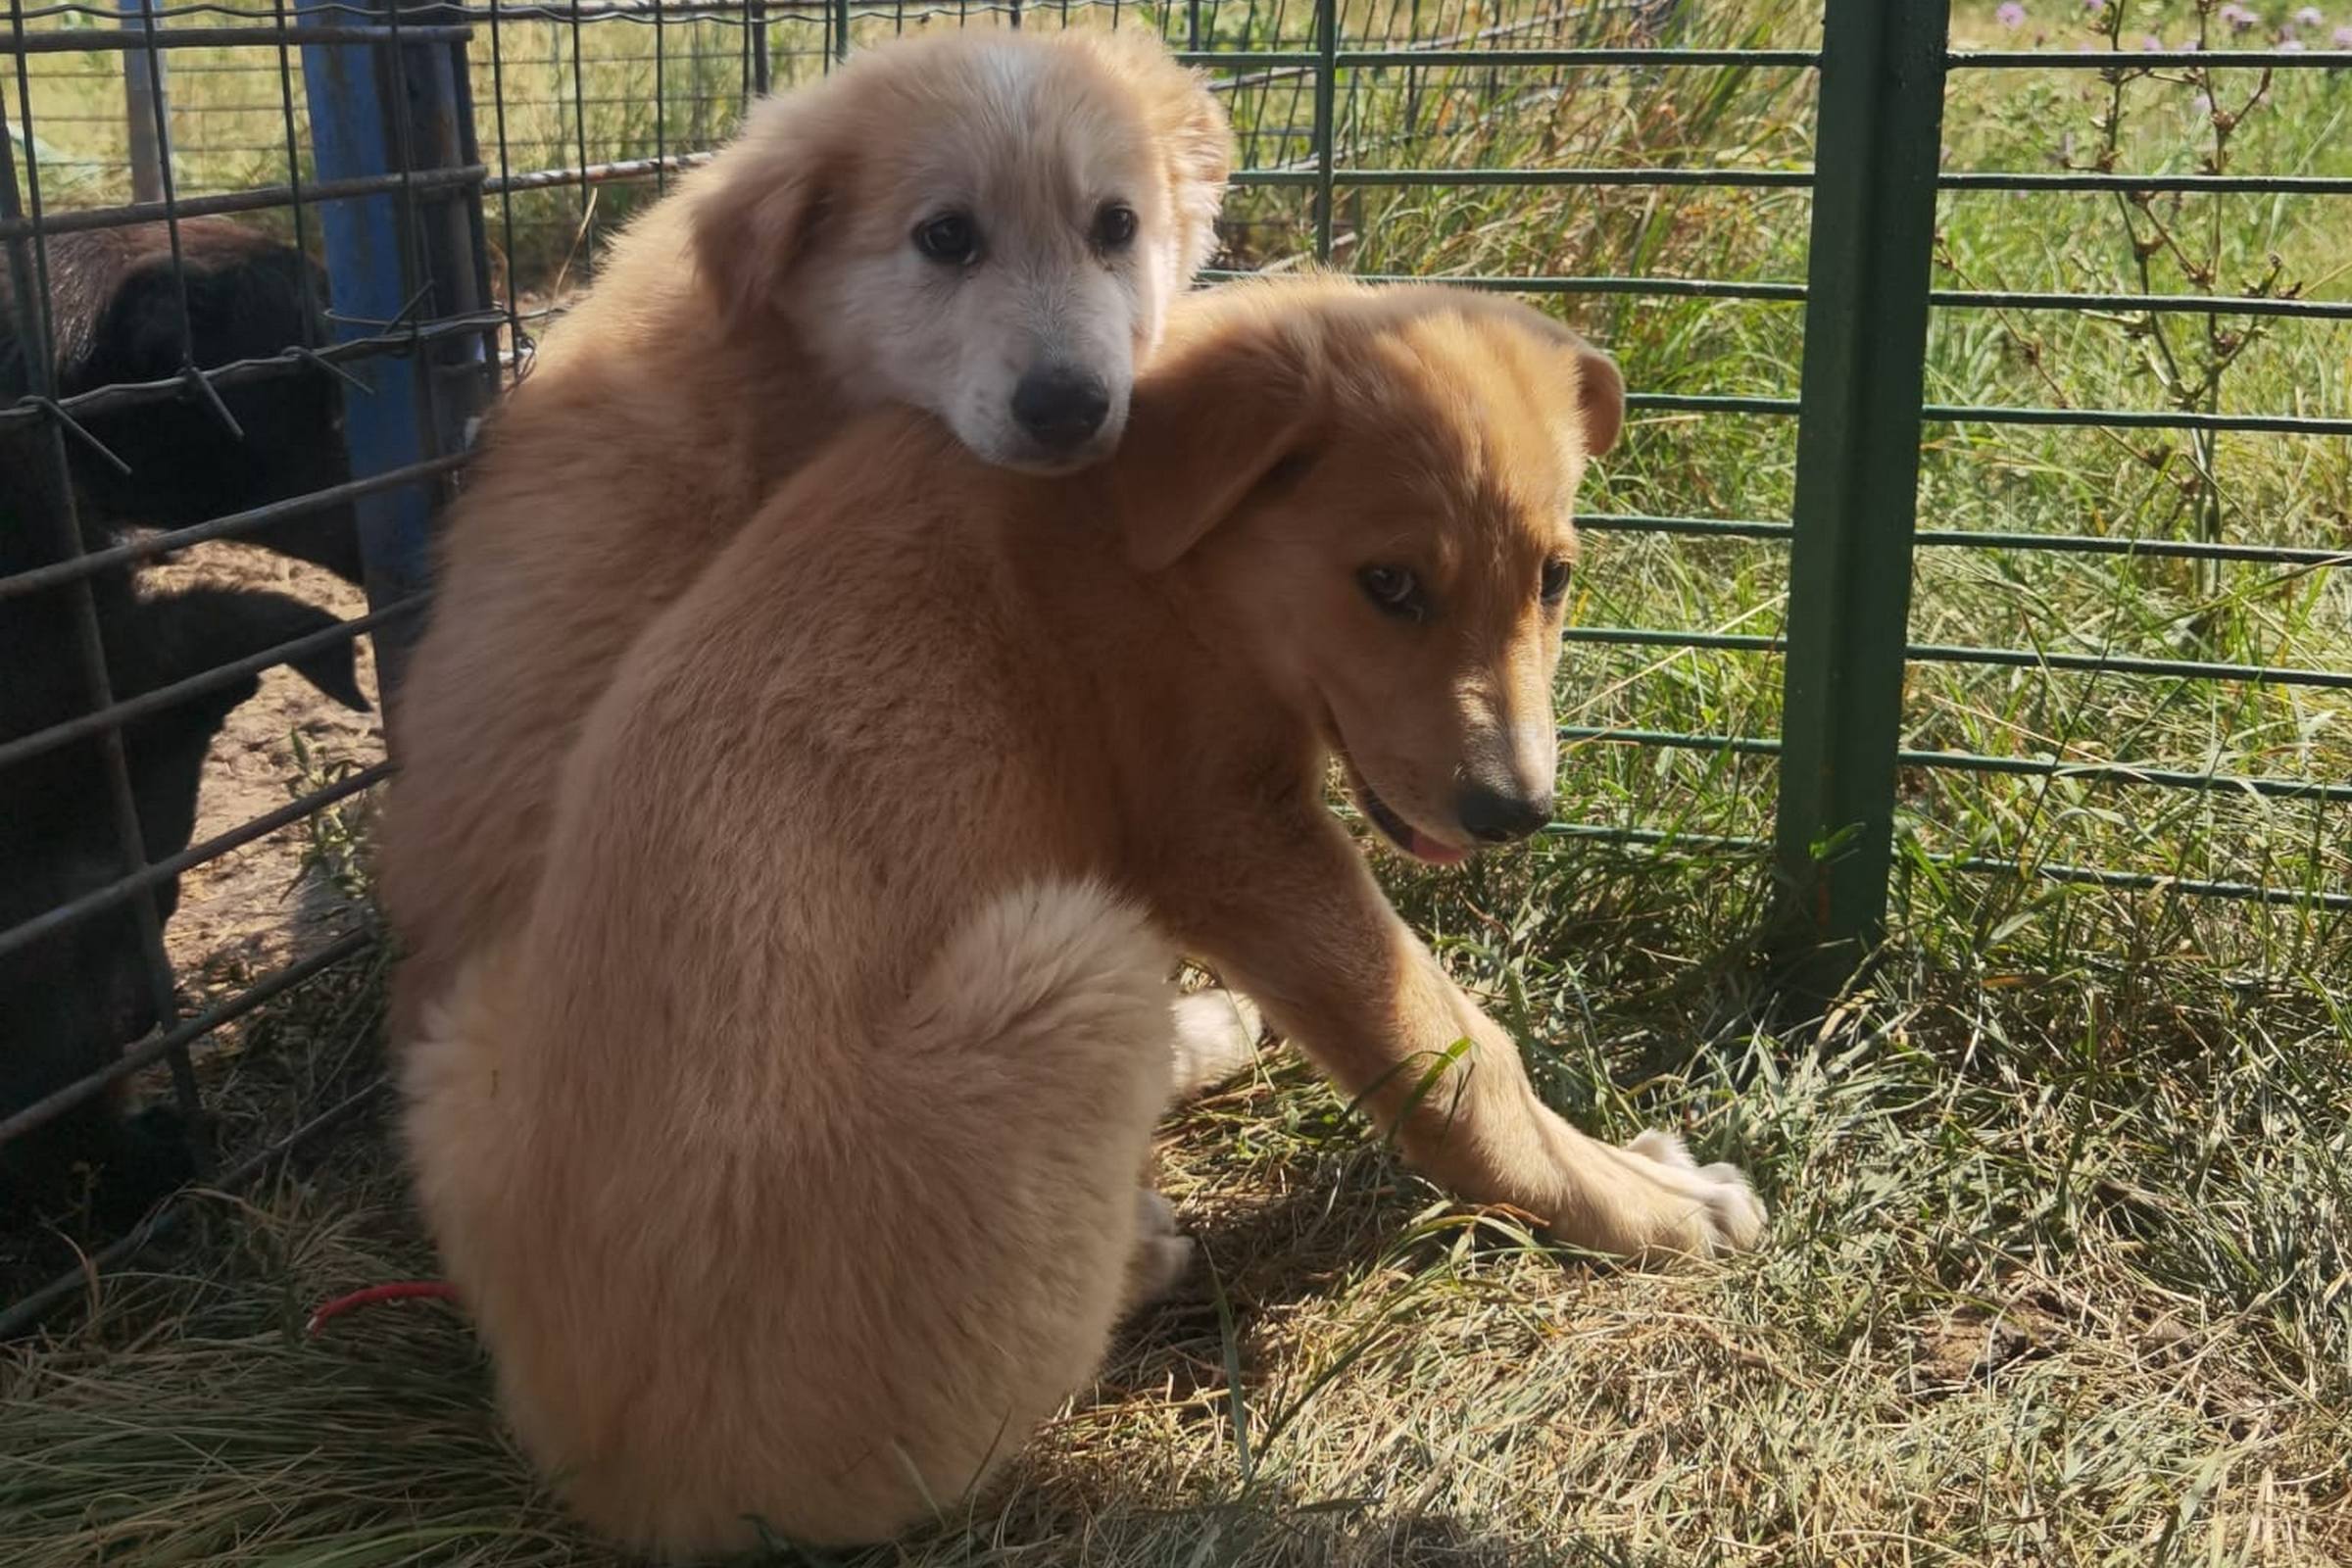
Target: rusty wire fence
{"x": 1954, "y": 555}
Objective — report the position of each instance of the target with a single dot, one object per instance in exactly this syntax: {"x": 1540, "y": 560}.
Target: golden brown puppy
{"x": 987, "y": 226}
{"x": 786, "y": 1154}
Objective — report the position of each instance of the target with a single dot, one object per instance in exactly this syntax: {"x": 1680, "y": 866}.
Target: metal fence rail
{"x": 458, "y": 166}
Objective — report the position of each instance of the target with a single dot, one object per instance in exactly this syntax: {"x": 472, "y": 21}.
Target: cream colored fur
{"x": 787, "y": 1153}
{"x": 734, "y": 328}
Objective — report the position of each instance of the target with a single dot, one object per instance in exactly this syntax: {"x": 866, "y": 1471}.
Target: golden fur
{"x": 787, "y": 1154}
{"x": 733, "y": 331}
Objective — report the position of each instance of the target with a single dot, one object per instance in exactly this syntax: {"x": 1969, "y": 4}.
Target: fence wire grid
{"x": 1942, "y": 553}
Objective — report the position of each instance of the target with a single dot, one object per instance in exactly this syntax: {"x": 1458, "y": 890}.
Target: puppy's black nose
{"x": 1498, "y": 816}
{"x": 1061, "y": 407}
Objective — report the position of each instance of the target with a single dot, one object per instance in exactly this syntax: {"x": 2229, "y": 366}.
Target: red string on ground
{"x": 405, "y": 1291}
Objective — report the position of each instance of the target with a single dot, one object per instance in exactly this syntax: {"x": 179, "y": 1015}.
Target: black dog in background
{"x": 72, "y": 999}
{"x": 116, "y": 320}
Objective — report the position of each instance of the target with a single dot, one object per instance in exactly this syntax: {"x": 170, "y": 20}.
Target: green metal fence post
{"x": 1327, "y": 87}
{"x": 1878, "y": 144}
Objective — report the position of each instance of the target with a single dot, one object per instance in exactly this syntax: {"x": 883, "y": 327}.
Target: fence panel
{"x": 2128, "y": 625}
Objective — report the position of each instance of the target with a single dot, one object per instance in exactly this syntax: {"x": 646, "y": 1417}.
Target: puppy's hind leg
{"x": 1163, "y": 1255}
{"x": 939, "y": 1251}
{"x": 1019, "y": 1093}
{"x": 1216, "y": 1039}
{"x": 1062, "y": 976}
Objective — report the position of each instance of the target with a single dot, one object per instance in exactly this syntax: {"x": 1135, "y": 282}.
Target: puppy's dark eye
{"x": 1555, "y": 581}
{"x": 1114, "y": 226}
{"x": 949, "y": 237}
{"x": 1394, "y": 591}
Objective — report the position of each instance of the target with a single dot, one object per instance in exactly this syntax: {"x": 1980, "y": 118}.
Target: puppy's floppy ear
{"x": 1211, "y": 422}
{"x": 1599, "y": 388}
{"x": 1200, "y": 141}
{"x": 1599, "y": 395}
{"x": 195, "y": 629}
{"x": 1201, "y": 157}
{"x": 761, "y": 206}
{"x": 1190, "y": 123}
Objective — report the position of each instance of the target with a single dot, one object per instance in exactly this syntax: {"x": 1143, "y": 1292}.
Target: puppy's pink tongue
{"x": 1436, "y": 854}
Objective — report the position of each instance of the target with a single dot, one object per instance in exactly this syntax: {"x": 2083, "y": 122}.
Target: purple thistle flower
{"x": 2011, "y": 15}
{"x": 2310, "y": 16}
{"x": 2151, "y": 41}
{"x": 2342, "y": 39}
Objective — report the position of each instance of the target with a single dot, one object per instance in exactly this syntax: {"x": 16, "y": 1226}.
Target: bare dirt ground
{"x": 271, "y": 901}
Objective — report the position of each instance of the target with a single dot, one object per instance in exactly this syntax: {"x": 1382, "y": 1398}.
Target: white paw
{"x": 1734, "y": 1209}
{"x": 1163, "y": 1255}
{"x": 1664, "y": 1148}
{"x": 1216, "y": 1039}
{"x": 1732, "y": 1217}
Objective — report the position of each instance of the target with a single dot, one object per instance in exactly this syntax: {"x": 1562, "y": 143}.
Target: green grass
{"x": 2057, "y": 1276}
{"x": 2061, "y": 1265}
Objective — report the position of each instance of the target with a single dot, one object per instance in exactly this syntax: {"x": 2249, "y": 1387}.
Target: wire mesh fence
{"x": 1971, "y": 541}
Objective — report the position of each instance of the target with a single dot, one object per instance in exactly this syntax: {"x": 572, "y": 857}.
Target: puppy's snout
{"x": 1501, "y": 815}
{"x": 1061, "y": 407}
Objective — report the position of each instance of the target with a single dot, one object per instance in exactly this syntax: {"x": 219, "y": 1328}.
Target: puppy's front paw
{"x": 1663, "y": 1147}
{"x": 1710, "y": 1210}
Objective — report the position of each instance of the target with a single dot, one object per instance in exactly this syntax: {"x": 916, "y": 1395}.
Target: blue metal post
{"x": 372, "y": 262}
